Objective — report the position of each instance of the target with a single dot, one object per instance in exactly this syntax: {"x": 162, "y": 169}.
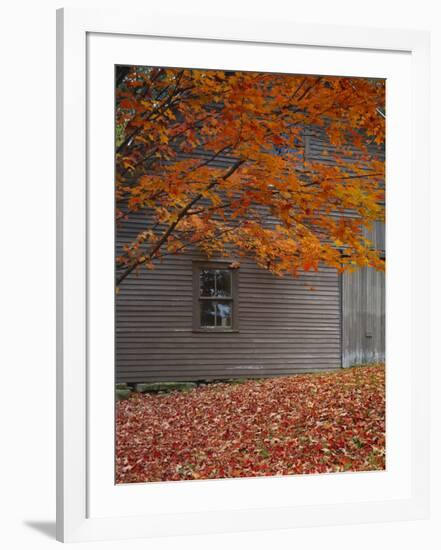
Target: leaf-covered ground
{"x": 310, "y": 423}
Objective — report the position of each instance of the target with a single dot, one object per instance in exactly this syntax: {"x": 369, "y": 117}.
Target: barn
{"x": 194, "y": 318}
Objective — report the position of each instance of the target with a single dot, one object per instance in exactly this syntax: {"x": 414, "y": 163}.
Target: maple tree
{"x": 302, "y": 424}
{"x": 268, "y": 200}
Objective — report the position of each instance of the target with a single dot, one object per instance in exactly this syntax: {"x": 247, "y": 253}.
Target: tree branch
{"x": 158, "y": 110}
{"x": 172, "y": 226}
{"x": 336, "y": 178}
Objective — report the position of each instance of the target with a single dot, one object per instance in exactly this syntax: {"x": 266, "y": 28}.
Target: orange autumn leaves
{"x": 313, "y": 423}
{"x": 217, "y": 160}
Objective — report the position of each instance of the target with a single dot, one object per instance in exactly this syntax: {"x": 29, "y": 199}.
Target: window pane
{"x": 223, "y": 314}
{"x": 223, "y": 282}
{"x": 215, "y": 314}
{"x": 207, "y": 282}
{"x": 208, "y": 313}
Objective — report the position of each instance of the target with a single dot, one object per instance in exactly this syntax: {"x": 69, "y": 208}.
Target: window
{"x": 215, "y": 297}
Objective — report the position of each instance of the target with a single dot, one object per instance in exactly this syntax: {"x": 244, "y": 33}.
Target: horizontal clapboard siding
{"x": 319, "y": 149}
{"x": 286, "y": 326}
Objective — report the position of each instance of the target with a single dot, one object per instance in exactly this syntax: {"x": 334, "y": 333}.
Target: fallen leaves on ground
{"x": 302, "y": 424}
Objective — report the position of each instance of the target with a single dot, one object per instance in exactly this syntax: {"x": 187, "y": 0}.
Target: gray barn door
{"x": 363, "y": 317}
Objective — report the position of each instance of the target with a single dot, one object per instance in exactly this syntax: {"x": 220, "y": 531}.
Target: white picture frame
{"x": 77, "y": 367}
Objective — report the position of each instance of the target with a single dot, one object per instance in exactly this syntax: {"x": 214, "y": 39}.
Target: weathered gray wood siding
{"x": 363, "y": 308}
{"x": 363, "y": 292}
{"x": 286, "y": 326}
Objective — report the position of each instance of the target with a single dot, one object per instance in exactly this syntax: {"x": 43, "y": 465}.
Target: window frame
{"x": 197, "y": 266}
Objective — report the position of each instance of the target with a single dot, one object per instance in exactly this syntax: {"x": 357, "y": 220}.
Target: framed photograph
{"x": 242, "y": 275}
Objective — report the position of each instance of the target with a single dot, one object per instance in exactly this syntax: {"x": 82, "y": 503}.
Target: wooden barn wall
{"x": 363, "y": 292}
{"x": 363, "y": 317}
{"x": 286, "y": 326}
